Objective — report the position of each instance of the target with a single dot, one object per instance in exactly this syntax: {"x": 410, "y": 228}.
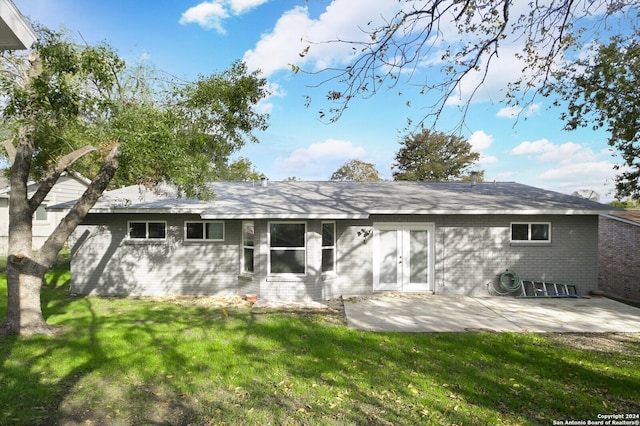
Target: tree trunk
{"x": 25, "y": 268}
{"x": 24, "y": 272}
{"x": 24, "y": 312}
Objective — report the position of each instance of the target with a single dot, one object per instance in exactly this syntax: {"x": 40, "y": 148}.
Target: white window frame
{"x": 331, "y": 247}
{"x": 146, "y": 237}
{"x": 244, "y": 247}
{"x": 270, "y": 249}
{"x": 529, "y": 240}
{"x": 204, "y": 237}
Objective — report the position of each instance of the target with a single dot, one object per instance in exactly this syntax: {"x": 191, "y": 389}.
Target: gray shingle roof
{"x": 343, "y": 200}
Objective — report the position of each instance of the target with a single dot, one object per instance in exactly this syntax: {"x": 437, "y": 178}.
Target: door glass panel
{"x": 418, "y": 255}
{"x": 389, "y": 256}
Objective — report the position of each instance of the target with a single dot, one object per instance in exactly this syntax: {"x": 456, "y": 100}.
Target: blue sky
{"x": 191, "y": 37}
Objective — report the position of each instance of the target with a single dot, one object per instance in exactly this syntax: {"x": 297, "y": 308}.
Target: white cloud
{"x": 533, "y": 109}
{"x": 537, "y": 147}
{"x": 296, "y": 30}
{"x": 513, "y": 111}
{"x": 283, "y": 45}
{"x": 595, "y": 175}
{"x": 319, "y": 160}
{"x": 569, "y": 152}
{"x": 242, "y": 6}
{"x": 480, "y": 141}
{"x": 211, "y": 14}
{"x": 509, "y": 112}
{"x": 208, "y": 14}
{"x": 590, "y": 170}
{"x": 568, "y": 167}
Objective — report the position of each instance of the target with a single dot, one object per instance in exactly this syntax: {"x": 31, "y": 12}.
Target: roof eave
{"x": 249, "y": 216}
{"x": 17, "y": 33}
{"x": 522, "y": 212}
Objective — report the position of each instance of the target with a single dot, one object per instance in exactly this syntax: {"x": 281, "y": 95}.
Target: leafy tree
{"x": 356, "y": 170}
{"x": 242, "y": 170}
{"x": 602, "y": 91}
{"x": 626, "y": 204}
{"x": 433, "y": 156}
{"x": 479, "y": 175}
{"x": 443, "y": 45}
{"x": 66, "y": 106}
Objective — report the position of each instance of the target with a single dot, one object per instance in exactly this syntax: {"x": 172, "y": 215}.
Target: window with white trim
{"x": 328, "y": 246}
{"x": 204, "y": 231}
{"x": 248, "y": 244}
{"x": 288, "y": 248}
{"x": 147, "y": 230}
{"x": 531, "y": 232}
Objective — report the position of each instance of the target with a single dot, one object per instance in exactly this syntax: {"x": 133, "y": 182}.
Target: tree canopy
{"x": 242, "y": 169}
{"x": 602, "y": 91}
{"x": 356, "y": 170}
{"x": 72, "y": 107}
{"x": 67, "y": 96}
{"x": 433, "y": 156}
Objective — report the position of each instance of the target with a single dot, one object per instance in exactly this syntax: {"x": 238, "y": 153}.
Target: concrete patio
{"x": 435, "y": 313}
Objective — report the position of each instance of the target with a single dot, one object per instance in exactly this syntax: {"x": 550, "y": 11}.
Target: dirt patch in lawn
{"x": 626, "y": 343}
{"x": 330, "y": 311}
{"x": 202, "y": 301}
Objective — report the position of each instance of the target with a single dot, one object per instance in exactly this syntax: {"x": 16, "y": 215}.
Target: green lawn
{"x": 133, "y": 361}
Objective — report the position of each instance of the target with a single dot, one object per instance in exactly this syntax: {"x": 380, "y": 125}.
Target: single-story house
{"x": 69, "y": 187}
{"x": 619, "y": 267}
{"x": 319, "y": 240}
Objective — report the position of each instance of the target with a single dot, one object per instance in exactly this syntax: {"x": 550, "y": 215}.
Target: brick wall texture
{"x": 618, "y": 258}
{"x": 469, "y": 251}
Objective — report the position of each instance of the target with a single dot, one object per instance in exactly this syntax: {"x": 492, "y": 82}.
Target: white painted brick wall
{"x": 470, "y": 251}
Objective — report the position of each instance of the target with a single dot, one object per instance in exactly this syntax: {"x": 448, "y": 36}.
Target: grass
{"x": 136, "y": 361}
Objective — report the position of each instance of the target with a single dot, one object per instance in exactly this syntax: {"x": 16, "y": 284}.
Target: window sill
{"x": 530, "y": 243}
{"x": 286, "y": 278}
{"x": 145, "y": 242}
{"x": 202, "y": 241}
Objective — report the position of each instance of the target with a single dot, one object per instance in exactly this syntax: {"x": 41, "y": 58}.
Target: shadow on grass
{"x": 140, "y": 362}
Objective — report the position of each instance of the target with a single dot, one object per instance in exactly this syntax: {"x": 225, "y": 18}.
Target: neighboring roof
{"x": 5, "y": 188}
{"x": 15, "y": 31}
{"x": 629, "y": 216}
{"x": 350, "y": 200}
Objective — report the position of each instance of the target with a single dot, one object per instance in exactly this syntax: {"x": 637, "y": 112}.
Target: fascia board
{"x": 249, "y": 216}
{"x": 555, "y": 212}
{"x": 611, "y": 216}
{"x": 13, "y": 21}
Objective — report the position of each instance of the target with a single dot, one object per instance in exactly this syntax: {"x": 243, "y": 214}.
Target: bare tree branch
{"x": 98, "y": 185}
{"x": 458, "y": 40}
{"x": 11, "y": 150}
{"x": 54, "y": 174}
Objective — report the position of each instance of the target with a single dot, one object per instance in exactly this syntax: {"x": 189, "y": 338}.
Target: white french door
{"x": 403, "y": 256}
